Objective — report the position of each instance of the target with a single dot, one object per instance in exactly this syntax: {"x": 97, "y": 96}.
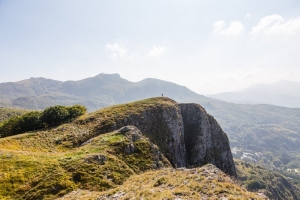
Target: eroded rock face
{"x": 185, "y": 134}
{"x": 205, "y": 141}
{"x": 134, "y": 135}
{"x": 162, "y": 125}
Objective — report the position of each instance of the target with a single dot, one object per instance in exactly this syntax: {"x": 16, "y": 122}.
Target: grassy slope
{"x": 207, "y": 182}
{"x": 50, "y": 163}
{"x": 44, "y": 163}
{"x": 34, "y": 167}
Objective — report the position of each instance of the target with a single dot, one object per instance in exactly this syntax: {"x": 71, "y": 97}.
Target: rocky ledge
{"x": 185, "y": 133}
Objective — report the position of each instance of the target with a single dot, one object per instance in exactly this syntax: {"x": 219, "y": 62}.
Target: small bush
{"x": 30, "y": 121}
{"x": 255, "y": 184}
{"x": 76, "y": 111}
{"x": 9, "y": 127}
{"x": 20, "y": 124}
{"x": 55, "y": 115}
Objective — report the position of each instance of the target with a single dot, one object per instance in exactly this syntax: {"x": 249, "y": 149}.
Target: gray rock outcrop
{"x": 185, "y": 134}
{"x": 205, "y": 142}
{"x": 100, "y": 158}
{"x": 134, "y": 135}
{"x": 161, "y": 124}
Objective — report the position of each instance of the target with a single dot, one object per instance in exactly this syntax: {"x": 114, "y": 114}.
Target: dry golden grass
{"x": 51, "y": 163}
{"x": 206, "y": 182}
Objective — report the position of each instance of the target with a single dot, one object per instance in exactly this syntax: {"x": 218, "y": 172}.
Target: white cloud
{"x": 275, "y": 24}
{"x": 234, "y": 28}
{"x": 218, "y": 25}
{"x": 248, "y": 15}
{"x": 157, "y": 51}
{"x": 117, "y": 50}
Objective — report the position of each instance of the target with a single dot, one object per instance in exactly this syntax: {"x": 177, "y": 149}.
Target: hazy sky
{"x": 209, "y": 46}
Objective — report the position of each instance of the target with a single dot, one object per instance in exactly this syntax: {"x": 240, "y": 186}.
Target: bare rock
{"x": 129, "y": 148}
{"x": 205, "y": 141}
{"x": 100, "y": 158}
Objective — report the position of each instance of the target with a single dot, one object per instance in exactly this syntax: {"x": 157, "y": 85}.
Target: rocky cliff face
{"x": 205, "y": 141}
{"x": 185, "y": 133}
{"x": 161, "y": 123}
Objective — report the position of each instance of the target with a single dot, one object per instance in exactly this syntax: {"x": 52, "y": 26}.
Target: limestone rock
{"x": 205, "y": 141}
{"x": 184, "y": 133}
{"x": 161, "y": 124}
{"x": 134, "y": 135}
{"x": 131, "y": 132}
{"x": 99, "y": 158}
{"x": 129, "y": 148}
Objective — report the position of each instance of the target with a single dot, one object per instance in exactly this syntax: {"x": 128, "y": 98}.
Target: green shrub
{"x": 30, "y": 121}
{"x": 55, "y": 115}
{"x": 76, "y": 111}
{"x": 20, "y": 124}
{"x": 255, "y": 184}
{"x": 10, "y": 127}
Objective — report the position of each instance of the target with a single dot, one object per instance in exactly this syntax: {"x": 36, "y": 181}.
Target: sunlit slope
{"x": 38, "y": 166}
{"x": 207, "y": 182}
{"x": 89, "y": 154}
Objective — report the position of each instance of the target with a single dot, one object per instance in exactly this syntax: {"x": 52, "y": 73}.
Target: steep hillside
{"x": 272, "y": 184}
{"x": 98, "y": 151}
{"x": 40, "y": 166}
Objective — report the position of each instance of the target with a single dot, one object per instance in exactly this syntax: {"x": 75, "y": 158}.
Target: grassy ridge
{"x": 53, "y": 162}
{"x": 34, "y": 168}
{"x": 206, "y": 182}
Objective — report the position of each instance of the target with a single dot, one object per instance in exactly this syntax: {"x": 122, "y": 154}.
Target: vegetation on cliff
{"x": 88, "y": 154}
{"x": 38, "y": 166}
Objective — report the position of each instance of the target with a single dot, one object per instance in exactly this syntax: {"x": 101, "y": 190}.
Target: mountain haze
{"x": 282, "y": 93}
{"x": 95, "y": 92}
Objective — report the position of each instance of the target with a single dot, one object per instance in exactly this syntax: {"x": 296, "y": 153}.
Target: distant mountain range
{"x": 95, "y": 92}
{"x": 255, "y": 127}
{"x": 282, "y": 93}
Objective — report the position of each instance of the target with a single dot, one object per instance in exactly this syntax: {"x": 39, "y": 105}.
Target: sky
{"x": 210, "y": 46}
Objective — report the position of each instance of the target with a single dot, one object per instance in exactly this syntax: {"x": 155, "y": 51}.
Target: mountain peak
{"x": 109, "y": 76}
